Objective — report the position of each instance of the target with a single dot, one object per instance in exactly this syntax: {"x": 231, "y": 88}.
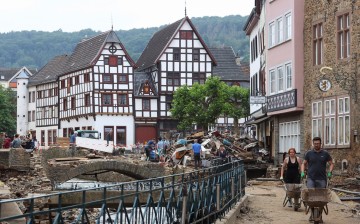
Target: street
{"x": 265, "y": 207}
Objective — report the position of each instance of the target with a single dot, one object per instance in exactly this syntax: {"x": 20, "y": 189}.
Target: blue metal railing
{"x": 197, "y": 197}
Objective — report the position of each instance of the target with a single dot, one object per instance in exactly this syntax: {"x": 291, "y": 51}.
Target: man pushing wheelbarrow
{"x": 316, "y": 196}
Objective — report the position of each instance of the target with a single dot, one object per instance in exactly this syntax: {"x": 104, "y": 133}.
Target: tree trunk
{"x": 236, "y": 127}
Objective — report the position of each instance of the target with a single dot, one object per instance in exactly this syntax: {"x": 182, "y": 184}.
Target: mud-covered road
{"x": 265, "y": 207}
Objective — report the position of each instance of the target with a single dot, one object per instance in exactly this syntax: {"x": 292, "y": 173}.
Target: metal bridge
{"x": 202, "y": 196}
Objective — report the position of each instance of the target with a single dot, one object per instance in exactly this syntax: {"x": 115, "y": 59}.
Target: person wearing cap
{"x": 73, "y": 143}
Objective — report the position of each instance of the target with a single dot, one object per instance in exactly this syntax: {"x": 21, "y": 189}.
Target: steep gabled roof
{"x": 161, "y": 40}
{"x": 226, "y": 68}
{"x": 6, "y": 74}
{"x": 88, "y": 51}
{"x": 50, "y": 71}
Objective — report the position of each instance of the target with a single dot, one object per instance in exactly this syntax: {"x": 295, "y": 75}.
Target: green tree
{"x": 237, "y": 104}
{"x": 7, "y": 110}
{"x": 199, "y": 104}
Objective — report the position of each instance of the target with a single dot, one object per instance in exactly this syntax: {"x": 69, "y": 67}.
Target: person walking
{"x": 292, "y": 166}
{"x": 73, "y": 143}
{"x": 196, "y": 147}
{"x": 316, "y": 160}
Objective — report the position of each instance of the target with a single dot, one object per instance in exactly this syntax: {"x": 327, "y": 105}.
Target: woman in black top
{"x": 292, "y": 165}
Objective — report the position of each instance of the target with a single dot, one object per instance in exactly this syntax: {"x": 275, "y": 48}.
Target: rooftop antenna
{"x": 112, "y": 24}
{"x": 185, "y": 8}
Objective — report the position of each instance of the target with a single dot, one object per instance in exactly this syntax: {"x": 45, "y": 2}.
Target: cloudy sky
{"x": 99, "y": 15}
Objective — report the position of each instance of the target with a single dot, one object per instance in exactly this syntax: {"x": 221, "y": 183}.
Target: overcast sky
{"x": 99, "y": 15}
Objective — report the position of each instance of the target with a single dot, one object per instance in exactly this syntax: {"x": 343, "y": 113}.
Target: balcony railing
{"x": 282, "y": 101}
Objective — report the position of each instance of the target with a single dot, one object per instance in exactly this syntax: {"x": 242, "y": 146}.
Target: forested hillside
{"x": 35, "y": 48}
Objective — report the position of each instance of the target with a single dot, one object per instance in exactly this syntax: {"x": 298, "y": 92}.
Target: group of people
{"x": 315, "y": 161}
{"x": 27, "y": 142}
{"x": 156, "y": 151}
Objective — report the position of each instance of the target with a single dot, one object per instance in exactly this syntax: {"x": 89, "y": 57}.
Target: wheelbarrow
{"x": 316, "y": 200}
{"x": 293, "y": 192}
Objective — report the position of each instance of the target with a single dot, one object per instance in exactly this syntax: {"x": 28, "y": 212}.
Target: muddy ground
{"x": 265, "y": 206}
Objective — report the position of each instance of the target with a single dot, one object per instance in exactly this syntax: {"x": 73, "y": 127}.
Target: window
{"x": 33, "y": 96}
{"x": 280, "y": 31}
{"x": 73, "y": 103}
{"x": 86, "y": 77}
{"x": 331, "y": 121}
{"x": 146, "y": 104}
{"x": 77, "y": 80}
{"x": 29, "y": 116}
{"x": 65, "y": 104}
{"x": 122, "y": 100}
{"x": 288, "y": 26}
{"x": 199, "y": 78}
{"x": 196, "y": 54}
{"x": 254, "y": 48}
{"x": 317, "y": 44}
{"x": 50, "y": 92}
{"x": 39, "y": 93}
{"x": 280, "y": 81}
{"x": 173, "y": 79}
{"x": 289, "y": 136}
{"x": 113, "y": 60}
{"x": 176, "y": 52}
{"x": 64, "y": 132}
{"x": 33, "y": 115}
{"x": 288, "y": 76}
{"x": 87, "y": 100}
{"x": 343, "y": 27}
{"x": 122, "y": 78}
{"x": 56, "y": 91}
{"x": 168, "y": 99}
{"x": 272, "y": 81}
{"x": 62, "y": 84}
{"x": 106, "y": 99}
{"x": 271, "y": 34}
{"x": 254, "y": 85}
{"x": 186, "y": 34}
{"x": 30, "y": 97}
{"x": 121, "y": 136}
{"x": 107, "y": 78}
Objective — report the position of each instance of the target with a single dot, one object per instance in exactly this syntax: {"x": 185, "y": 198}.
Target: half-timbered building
{"x": 175, "y": 56}
{"x": 228, "y": 69}
{"x": 92, "y": 88}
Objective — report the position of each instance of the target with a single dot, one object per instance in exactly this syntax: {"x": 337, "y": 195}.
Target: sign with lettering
{"x": 257, "y": 99}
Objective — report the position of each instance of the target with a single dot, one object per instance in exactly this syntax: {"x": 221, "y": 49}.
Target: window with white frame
{"x": 288, "y": 75}
{"x": 280, "y": 30}
{"x": 316, "y": 119}
{"x": 272, "y": 34}
{"x": 289, "y": 136}
{"x": 343, "y": 121}
{"x": 331, "y": 120}
{"x": 288, "y": 26}
{"x": 280, "y": 81}
{"x": 272, "y": 81}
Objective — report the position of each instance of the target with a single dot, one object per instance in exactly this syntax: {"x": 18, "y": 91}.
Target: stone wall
{"x": 17, "y": 159}
{"x": 345, "y": 71}
{"x": 4, "y": 158}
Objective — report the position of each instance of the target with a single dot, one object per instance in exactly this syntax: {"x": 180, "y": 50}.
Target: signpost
{"x": 257, "y": 99}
